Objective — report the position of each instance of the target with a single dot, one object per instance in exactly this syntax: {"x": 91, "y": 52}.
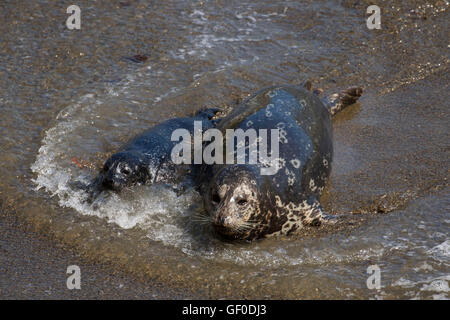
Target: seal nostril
{"x": 107, "y": 183}
{"x": 215, "y": 198}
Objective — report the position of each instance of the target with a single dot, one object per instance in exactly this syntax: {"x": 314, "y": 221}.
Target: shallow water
{"x": 71, "y": 98}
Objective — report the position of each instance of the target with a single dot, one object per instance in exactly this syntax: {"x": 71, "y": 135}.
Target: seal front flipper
{"x": 92, "y": 189}
{"x": 207, "y": 113}
{"x": 338, "y": 101}
{"x": 316, "y": 216}
{"x": 308, "y": 86}
{"x": 181, "y": 187}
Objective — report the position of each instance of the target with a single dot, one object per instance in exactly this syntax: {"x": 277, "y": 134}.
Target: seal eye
{"x": 125, "y": 171}
{"x": 242, "y": 202}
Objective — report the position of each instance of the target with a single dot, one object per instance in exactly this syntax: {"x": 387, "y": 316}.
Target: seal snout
{"x": 111, "y": 184}
{"x": 231, "y": 214}
{"x": 223, "y": 223}
{"x": 123, "y": 170}
{"x": 227, "y": 221}
{"x": 226, "y": 227}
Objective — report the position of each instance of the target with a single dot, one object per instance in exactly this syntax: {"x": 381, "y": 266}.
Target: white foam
{"x": 442, "y": 249}
{"x": 55, "y": 172}
{"x": 439, "y": 285}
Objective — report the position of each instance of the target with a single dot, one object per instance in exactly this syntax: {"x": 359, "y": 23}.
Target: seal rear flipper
{"x": 338, "y": 101}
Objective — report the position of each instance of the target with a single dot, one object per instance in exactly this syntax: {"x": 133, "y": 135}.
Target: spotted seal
{"x": 146, "y": 159}
{"x": 243, "y": 204}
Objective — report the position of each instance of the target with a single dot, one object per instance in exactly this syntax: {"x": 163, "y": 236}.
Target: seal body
{"x": 146, "y": 158}
{"x": 242, "y": 203}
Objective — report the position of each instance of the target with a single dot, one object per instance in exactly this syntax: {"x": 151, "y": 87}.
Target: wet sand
{"x": 34, "y": 267}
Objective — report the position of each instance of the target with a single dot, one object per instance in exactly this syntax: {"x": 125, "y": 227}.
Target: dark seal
{"x": 146, "y": 159}
{"x": 243, "y": 204}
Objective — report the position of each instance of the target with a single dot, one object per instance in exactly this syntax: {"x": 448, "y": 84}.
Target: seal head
{"x": 233, "y": 200}
{"x": 124, "y": 169}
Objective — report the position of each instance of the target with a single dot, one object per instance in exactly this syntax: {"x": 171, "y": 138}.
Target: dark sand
{"x": 32, "y": 267}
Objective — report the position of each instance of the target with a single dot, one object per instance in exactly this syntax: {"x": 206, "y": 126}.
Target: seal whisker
{"x": 202, "y": 218}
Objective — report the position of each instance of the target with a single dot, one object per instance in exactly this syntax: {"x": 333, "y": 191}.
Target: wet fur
{"x": 288, "y": 200}
{"x": 147, "y": 157}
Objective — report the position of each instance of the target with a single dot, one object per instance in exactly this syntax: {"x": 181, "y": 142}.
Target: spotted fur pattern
{"x": 288, "y": 200}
